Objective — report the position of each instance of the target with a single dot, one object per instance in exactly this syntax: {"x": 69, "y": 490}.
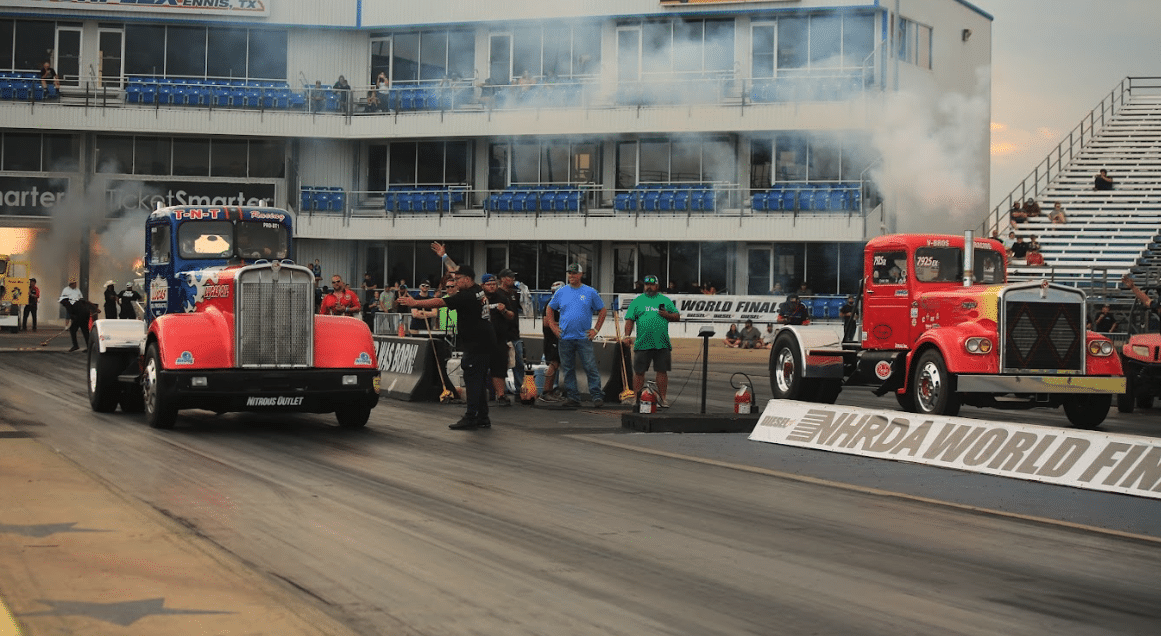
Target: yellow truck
{"x": 13, "y": 292}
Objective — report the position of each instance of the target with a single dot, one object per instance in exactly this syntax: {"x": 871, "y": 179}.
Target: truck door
{"x": 887, "y": 298}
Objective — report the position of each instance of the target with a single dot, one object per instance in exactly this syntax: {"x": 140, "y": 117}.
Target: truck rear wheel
{"x": 786, "y": 381}
{"x": 159, "y": 410}
{"x": 103, "y": 370}
{"x": 825, "y": 391}
{"x": 933, "y": 388}
{"x": 1126, "y": 401}
{"x": 353, "y": 416}
{"x": 1087, "y": 411}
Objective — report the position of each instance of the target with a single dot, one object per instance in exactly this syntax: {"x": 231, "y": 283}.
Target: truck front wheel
{"x": 103, "y": 370}
{"x": 933, "y": 387}
{"x": 352, "y": 416}
{"x": 1087, "y": 411}
{"x": 159, "y": 410}
{"x": 786, "y": 381}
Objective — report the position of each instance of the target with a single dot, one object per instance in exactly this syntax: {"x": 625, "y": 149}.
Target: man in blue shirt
{"x": 570, "y": 316}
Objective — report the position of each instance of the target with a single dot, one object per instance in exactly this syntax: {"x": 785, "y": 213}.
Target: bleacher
{"x": 24, "y": 86}
{"x": 818, "y": 197}
{"x": 543, "y": 198}
{"x": 323, "y": 199}
{"x": 667, "y": 197}
{"x": 1107, "y": 232}
{"x": 217, "y": 93}
{"x": 400, "y": 198}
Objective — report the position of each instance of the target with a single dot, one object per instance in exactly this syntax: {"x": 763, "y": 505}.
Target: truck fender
{"x": 202, "y": 340}
{"x": 950, "y": 342}
{"x": 342, "y": 342}
{"x": 1101, "y": 365}
{"x": 119, "y": 334}
{"x": 816, "y": 337}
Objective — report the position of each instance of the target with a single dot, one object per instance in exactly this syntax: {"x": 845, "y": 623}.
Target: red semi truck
{"x": 230, "y": 326}
{"x": 940, "y": 328}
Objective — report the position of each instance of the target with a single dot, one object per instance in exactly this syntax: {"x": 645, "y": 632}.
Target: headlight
{"x": 979, "y": 346}
{"x": 1141, "y": 350}
{"x": 1102, "y": 348}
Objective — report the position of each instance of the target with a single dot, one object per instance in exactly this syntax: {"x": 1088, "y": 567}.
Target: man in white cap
{"x": 570, "y": 315}
{"x": 78, "y": 309}
{"x": 128, "y": 296}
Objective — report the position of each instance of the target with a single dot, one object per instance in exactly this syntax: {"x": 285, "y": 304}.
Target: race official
{"x": 653, "y": 311}
{"x": 78, "y": 310}
{"x": 341, "y": 301}
{"x": 793, "y": 312}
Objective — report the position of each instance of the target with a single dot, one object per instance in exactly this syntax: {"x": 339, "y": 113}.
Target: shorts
{"x": 551, "y": 348}
{"x": 498, "y": 361}
{"x": 662, "y": 360}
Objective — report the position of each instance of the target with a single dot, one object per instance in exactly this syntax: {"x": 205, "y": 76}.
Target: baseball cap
{"x": 128, "y": 284}
{"x": 466, "y": 270}
{"x": 488, "y": 278}
{"x": 575, "y": 268}
{"x": 507, "y": 273}
{"x": 557, "y": 285}
{"x": 650, "y": 280}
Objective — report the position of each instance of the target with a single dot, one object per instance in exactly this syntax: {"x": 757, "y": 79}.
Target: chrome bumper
{"x": 1039, "y": 384}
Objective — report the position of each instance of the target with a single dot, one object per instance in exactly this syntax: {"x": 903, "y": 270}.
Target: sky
{"x": 1053, "y": 61}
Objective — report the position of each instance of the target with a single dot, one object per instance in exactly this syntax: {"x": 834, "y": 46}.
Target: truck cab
{"x": 230, "y": 326}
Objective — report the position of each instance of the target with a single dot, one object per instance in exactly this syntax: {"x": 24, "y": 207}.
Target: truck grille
{"x": 1043, "y": 336}
{"x": 275, "y": 316}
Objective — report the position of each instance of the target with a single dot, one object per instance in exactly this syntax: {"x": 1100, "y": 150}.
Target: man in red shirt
{"x": 341, "y": 301}
{"x": 33, "y": 301}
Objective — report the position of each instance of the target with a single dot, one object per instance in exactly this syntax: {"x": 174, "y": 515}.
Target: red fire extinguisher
{"x": 648, "y": 402}
{"x": 743, "y": 400}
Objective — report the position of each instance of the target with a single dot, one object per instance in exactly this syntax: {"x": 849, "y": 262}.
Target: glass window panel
{"x": 715, "y": 265}
{"x": 159, "y": 244}
{"x": 789, "y": 268}
{"x": 825, "y": 41}
{"x": 790, "y": 157}
{"x": 624, "y": 267}
{"x": 152, "y": 155}
{"x": 380, "y": 57}
{"x": 22, "y": 151}
{"x": 761, "y": 164}
{"x": 684, "y": 270}
{"x": 525, "y": 163}
{"x": 654, "y": 162}
{"x": 626, "y": 165}
{"x": 762, "y": 51}
{"x": 901, "y": 44}
{"x": 497, "y": 167}
{"x": 268, "y": 159}
{"x": 585, "y": 163}
{"x": 657, "y": 47}
{"x": 401, "y": 259}
{"x": 554, "y": 168}
{"x": 822, "y": 267}
{"x": 461, "y": 54}
{"x": 850, "y": 267}
{"x": 858, "y": 39}
{"x": 267, "y": 57}
{"x": 652, "y": 259}
{"x": 114, "y": 155}
{"x": 923, "y": 48}
{"x": 405, "y": 58}
{"x": 185, "y": 52}
{"x": 585, "y": 254}
{"x": 433, "y": 55}
{"x": 62, "y": 153}
{"x": 688, "y": 45}
{"x": 229, "y": 53}
{"x": 377, "y": 167}
{"x": 758, "y": 271}
{"x": 144, "y": 49}
{"x": 7, "y": 38}
{"x": 557, "y": 52}
{"x": 857, "y": 156}
{"x": 526, "y": 52}
{"x": 586, "y": 50}
{"x": 228, "y": 158}
{"x": 402, "y": 163}
{"x": 686, "y": 161}
{"x": 522, "y": 260}
{"x": 429, "y": 162}
{"x": 191, "y": 157}
{"x": 719, "y": 45}
{"x": 824, "y": 160}
{"x": 34, "y": 40}
{"x": 792, "y": 43}
{"x": 458, "y": 163}
{"x": 552, "y": 263}
{"x": 628, "y": 55}
{"x": 495, "y": 257}
{"x": 719, "y": 161}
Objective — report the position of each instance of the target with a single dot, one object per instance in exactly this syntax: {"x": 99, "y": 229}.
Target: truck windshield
{"x": 938, "y": 264}
{"x": 224, "y": 239}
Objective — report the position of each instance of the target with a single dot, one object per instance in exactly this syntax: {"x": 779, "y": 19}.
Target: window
{"x": 159, "y": 244}
{"x": 814, "y": 43}
{"x": 420, "y": 163}
{"x": 22, "y": 151}
{"x": 427, "y": 55}
{"x": 688, "y": 46}
{"x": 114, "y": 155}
{"x": 889, "y": 268}
{"x": 938, "y": 264}
{"x": 191, "y": 157}
{"x": 181, "y": 51}
{"x": 913, "y": 43}
{"x": 205, "y": 239}
{"x": 152, "y": 155}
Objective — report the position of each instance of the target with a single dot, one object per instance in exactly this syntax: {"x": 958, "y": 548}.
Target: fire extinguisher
{"x": 648, "y": 402}
{"x": 744, "y": 398}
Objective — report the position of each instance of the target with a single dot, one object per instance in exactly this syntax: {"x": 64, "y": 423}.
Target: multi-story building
{"x": 735, "y": 141}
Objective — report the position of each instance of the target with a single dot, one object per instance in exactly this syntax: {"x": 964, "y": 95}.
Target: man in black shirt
{"x": 475, "y": 337}
{"x": 1105, "y": 321}
{"x": 1019, "y": 248}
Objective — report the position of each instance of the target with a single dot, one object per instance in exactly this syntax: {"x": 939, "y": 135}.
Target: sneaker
{"x": 551, "y": 396}
{"x": 662, "y": 404}
{"x": 503, "y": 400}
{"x": 484, "y": 424}
{"x": 571, "y": 404}
{"x": 598, "y": 403}
{"x": 75, "y": 348}
{"x": 464, "y": 424}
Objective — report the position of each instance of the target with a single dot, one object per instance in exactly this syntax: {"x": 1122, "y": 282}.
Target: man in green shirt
{"x": 654, "y": 311}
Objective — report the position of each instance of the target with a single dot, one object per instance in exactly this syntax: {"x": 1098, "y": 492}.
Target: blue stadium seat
{"x": 651, "y": 202}
{"x": 818, "y": 308}
{"x": 681, "y": 200}
{"x": 789, "y": 199}
{"x": 625, "y": 201}
{"x": 758, "y": 202}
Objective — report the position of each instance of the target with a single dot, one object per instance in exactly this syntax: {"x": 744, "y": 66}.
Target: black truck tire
{"x": 159, "y": 411}
{"x": 103, "y": 370}
{"x": 1087, "y": 411}
{"x": 933, "y": 387}
{"x": 353, "y": 416}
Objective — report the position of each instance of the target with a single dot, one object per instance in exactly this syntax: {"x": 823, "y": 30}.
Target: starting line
{"x": 1090, "y": 460}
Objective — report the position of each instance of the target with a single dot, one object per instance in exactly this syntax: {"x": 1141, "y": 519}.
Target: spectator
{"x": 110, "y": 300}
{"x": 370, "y": 285}
{"x": 373, "y": 105}
{"x": 476, "y": 338}
{"x": 47, "y": 73}
{"x": 793, "y": 312}
{"x": 768, "y": 336}
{"x": 421, "y": 318}
{"x": 1020, "y": 248}
{"x": 1105, "y": 321}
{"x": 671, "y": 288}
{"x": 708, "y": 288}
{"x": 654, "y": 312}
{"x": 1031, "y": 208}
{"x": 501, "y": 314}
{"x": 1057, "y": 214}
{"x": 1153, "y": 305}
{"x": 549, "y": 392}
{"x": 751, "y": 337}
{"x": 1102, "y": 181}
{"x": 509, "y": 286}
{"x": 805, "y": 290}
{"x": 382, "y": 92}
{"x": 128, "y": 296}
{"x": 776, "y": 289}
{"x": 1017, "y": 214}
{"x": 341, "y": 301}
{"x": 370, "y": 308}
{"x": 1009, "y": 242}
{"x": 33, "y": 302}
{"x": 1034, "y": 258}
{"x": 316, "y": 269}
{"x": 318, "y": 97}
{"x": 570, "y": 314}
{"x": 343, "y": 91}
{"x": 733, "y": 339}
{"x": 850, "y": 319}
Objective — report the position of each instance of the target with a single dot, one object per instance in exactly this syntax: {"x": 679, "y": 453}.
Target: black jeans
{"x": 476, "y": 380}
{"x": 30, "y": 309}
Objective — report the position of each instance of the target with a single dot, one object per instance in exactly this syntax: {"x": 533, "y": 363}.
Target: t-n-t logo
{"x": 196, "y": 215}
